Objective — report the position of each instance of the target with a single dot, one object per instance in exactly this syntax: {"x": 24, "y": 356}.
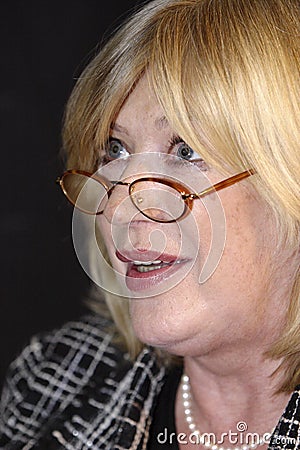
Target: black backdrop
{"x": 44, "y": 45}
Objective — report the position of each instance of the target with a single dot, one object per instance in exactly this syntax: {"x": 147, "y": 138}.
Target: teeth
{"x": 148, "y": 266}
{"x": 143, "y": 269}
{"x": 147, "y": 263}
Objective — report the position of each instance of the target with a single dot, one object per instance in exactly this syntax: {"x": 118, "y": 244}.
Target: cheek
{"x": 105, "y": 231}
{"x": 235, "y": 256}
{"x": 245, "y": 266}
{"x": 117, "y": 269}
{"x": 211, "y": 222}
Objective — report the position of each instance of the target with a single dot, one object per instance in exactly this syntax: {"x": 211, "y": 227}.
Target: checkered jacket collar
{"x": 73, "y": 389}
{"x": 114, "y": 410}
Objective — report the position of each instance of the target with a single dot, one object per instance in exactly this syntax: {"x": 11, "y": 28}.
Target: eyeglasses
{"x": 162, "y": 200}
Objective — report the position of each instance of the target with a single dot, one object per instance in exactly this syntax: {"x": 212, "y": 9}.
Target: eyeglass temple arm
{"x": 221, "y": 185}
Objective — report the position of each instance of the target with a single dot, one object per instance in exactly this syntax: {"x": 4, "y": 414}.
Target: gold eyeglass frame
{"x": 187, "y": 197}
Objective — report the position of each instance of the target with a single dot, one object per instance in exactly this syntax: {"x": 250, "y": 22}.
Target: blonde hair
{"x": 226, "y": 74}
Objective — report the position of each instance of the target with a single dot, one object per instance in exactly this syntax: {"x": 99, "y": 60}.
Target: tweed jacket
{"x": 74, "y": 389}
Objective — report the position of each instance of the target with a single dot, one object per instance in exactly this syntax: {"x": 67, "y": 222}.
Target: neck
{"x": 224, "y": 395}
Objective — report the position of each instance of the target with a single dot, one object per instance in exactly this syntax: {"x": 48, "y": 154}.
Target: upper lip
{"x": 145, "y": 256}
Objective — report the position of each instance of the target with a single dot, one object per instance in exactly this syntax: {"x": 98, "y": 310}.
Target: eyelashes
{"x": 175, "y": 139}
{"x": 185, "y": 153}
{"x": 115, "y": 150}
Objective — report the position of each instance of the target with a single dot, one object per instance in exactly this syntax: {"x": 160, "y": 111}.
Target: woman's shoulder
{"x": 56, "y": 370}
{"x": 75, "y": 385}
{"x": 86, "y": 342}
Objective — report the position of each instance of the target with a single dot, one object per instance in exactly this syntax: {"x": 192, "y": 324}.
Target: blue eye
{"x": 115, "y": 150}
{"x": 184, "y": 151}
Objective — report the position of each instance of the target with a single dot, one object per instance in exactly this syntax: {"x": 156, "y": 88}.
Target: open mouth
{"x": 149, "y": 266}
{"x": 147, "y": 270}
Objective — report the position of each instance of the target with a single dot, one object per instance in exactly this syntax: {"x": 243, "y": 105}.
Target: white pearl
{"x": 187, "y": 397}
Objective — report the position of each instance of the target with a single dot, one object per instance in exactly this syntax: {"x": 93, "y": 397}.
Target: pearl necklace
{"x": 205, "y": 438}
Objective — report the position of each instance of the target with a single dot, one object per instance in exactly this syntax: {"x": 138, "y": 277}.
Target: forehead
{"x": 141, "y": 105}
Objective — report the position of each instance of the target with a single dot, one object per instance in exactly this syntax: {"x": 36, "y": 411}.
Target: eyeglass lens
{"x": 156, "y": 200}
{"x": 86, "y": 193}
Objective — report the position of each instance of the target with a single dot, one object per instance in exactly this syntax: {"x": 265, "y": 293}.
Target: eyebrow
{"x": 116, "y": 127}
{"x": 160, "y": 124}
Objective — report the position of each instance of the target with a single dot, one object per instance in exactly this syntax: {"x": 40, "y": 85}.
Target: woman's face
{"x": 241, "y": 299}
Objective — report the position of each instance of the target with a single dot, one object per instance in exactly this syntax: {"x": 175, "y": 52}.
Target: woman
{"x": 182, "y": 146}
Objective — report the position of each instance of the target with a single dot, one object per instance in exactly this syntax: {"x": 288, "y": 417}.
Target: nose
{"x": 153, "y": 199}
{"x": 119, "y": 208}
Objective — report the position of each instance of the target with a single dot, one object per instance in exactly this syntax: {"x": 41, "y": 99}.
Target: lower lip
{"x": 140, "y": 281}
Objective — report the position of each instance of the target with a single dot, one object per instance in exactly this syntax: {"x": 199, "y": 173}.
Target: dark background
{"x": 44, "y": 46}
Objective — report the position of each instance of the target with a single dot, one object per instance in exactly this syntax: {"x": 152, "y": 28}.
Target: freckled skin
{"x": 233, "y": 307}
{"x": 223, "y": 326}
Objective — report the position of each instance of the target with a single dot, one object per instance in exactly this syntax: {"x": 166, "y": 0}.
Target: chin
{"x": 145, "y": 326}
{"x": 159, "y": 325}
